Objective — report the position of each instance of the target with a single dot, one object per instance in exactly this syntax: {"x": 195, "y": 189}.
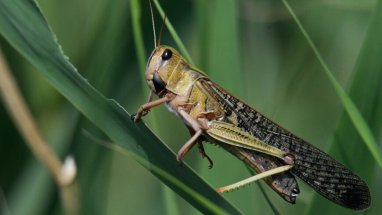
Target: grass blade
{"x": 365, "y": 90}
{"x": 23, "y": 26}
{"x": 353, "y": 112}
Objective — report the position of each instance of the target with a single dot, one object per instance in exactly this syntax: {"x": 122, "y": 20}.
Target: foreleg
{"x": 150, "y": 104}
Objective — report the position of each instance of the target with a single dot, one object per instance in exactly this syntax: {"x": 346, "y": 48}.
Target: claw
{"x": 210, "y": 163}
{"x": 179, "y": 158}
{"x": 204, "y": 155}
{"x": 132, "y": 117}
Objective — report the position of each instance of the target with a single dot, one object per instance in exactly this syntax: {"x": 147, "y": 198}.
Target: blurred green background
{"x": 251, "y": 47}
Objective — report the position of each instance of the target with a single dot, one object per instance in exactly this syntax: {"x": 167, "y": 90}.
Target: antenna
{"x": 161, "y": 28}
{"x": 153, "y": 23}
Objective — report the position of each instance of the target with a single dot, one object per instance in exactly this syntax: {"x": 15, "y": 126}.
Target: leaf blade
{"x": 35, "y": 41}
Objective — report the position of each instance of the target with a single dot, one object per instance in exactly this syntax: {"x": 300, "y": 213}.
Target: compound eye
{"x": 167, "y": 54}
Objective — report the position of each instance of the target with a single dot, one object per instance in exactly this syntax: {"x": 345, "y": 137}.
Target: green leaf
{"x": 23, "y": 26}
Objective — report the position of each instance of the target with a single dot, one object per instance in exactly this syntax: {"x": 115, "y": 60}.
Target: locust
{"x": 214, "y": 115}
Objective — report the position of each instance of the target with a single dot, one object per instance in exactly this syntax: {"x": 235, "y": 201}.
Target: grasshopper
{"x": 212, "y": 114}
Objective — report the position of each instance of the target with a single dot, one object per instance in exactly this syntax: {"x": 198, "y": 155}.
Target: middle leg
{"x": 195, "y": 128}
{"x": 201, "y": 148}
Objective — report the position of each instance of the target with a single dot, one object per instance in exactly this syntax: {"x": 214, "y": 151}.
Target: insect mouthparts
{"x": 159, "y": 85}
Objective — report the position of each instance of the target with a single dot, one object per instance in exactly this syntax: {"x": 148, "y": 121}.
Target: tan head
{"x": 162, "y": 62}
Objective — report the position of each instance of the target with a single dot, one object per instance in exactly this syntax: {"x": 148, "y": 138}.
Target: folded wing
{"x": 324, "y": 174}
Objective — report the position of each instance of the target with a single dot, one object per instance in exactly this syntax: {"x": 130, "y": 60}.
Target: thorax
{"x": 191, "y": 95}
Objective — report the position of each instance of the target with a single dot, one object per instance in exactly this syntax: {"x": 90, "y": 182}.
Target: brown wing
{"x": 284, "y": 184}
{"x": 324, "y": 174}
